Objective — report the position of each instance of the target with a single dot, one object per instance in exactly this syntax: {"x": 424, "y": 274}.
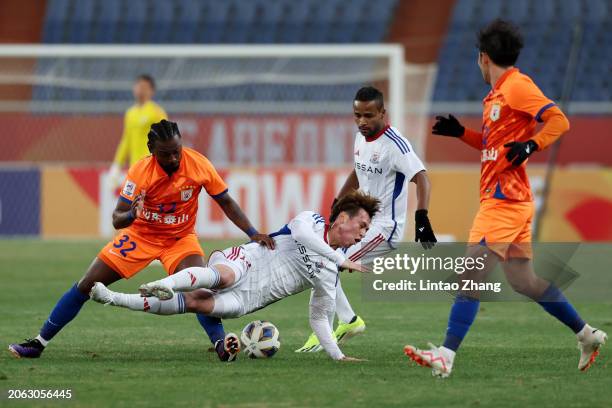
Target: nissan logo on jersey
{"x": 367, "y": 169}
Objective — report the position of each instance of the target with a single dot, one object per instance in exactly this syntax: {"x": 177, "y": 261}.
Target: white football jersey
{"x": 302, "y": 259}
{"x": 292, "y": 266}
{"x": 384, "y": 166}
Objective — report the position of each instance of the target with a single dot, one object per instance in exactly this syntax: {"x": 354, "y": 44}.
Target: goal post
{"x": 390, "y": 69}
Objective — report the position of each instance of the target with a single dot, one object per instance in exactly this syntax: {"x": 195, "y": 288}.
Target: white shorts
{"x": 234, "y": 258}
{"x": 228, "y": 303}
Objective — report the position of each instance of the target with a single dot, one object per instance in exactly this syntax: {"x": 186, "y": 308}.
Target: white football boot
{"x": 439, "y": 359}
{"x": 158, "y": 288}
{"x": 589, "y": 341}
{"x": 101, "y": 294}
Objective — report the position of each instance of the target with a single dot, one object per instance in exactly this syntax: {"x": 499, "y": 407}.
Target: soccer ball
{"x": 260, "y": 339}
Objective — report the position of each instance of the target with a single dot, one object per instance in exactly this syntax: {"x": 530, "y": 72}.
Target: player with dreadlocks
{"x": 156, "y": 215}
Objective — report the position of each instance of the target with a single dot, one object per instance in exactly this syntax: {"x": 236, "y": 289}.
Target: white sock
{"x": 194, "y": 278}
{"x": 331, "y": 317}
{"x": 42, "y": 341}
{"x": 343, "y": 307}
{"x": 585, "y": 331}
{"x": 448, "y": 353}
{"x": 176, "y": 305}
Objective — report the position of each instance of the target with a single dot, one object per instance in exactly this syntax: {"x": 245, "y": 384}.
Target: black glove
{"x": 447, "y": 127}
{"x": 422, "y": 230}
{"x": 519, "y": 151}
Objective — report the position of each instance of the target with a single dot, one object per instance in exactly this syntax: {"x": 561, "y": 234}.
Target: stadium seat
{"x": 213, "y": 23}
{"x": 56, "y": 15}
{"x": 107, "y": 21}
{"x": 547, "y": 26}
{"x": 81, "y": 23}
{"x": 160, "y": 27}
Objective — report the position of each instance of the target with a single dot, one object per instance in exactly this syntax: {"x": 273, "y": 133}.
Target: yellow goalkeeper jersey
{"x": 136, "y": 125}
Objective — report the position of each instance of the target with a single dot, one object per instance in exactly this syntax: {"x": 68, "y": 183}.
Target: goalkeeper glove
{"x": 520, "y": 151}
{"x": 447, "y": 127}
{"x": 423, "y": 231}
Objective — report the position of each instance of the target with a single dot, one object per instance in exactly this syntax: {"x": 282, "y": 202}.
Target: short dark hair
{"x": 163, "y": 131}
{"x": 352, "y": 202}
{"x": 148, "y": 78}
{"x": 369, "y": 93}
{"x": 502, "y": 41}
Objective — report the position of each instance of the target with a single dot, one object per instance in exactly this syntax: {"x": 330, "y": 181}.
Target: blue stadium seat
{"x": 81, "y": 22}
{"x": 133, "y": 23}
{"x": 516, "y": 10}
{"x": 598, "y": 10}
{"x": 267, "y": 16}
{"x": 107, "y": 21}
{"x": 463, "y": 11}
{"x": 239, "y": 27}
{"x": 56, "y": 15}
{"x": 293, "y": 24}
{"x": 214, "y": 21}
{"x": 188, "y": 15}
{"x": 160, "y": 27}
{"x": 547, "y": 27}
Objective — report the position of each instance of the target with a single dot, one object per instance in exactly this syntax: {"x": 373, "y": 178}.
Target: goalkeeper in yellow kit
{"x": 136, "y": 125}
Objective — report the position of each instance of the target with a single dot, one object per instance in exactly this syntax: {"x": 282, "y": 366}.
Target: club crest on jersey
{"x": 375, "y": 158}
{"x": 186, "y": 194}
{"x": 495, "y": 112}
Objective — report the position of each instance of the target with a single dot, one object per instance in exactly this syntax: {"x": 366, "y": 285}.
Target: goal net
{"x": 275, "y": 107}
{"x": 85, "y": 89}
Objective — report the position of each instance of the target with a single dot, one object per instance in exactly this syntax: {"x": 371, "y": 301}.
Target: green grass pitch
{"x": 515, "y": 355}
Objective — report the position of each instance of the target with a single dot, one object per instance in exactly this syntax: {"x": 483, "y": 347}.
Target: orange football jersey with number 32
{"x": 171, "y": 202}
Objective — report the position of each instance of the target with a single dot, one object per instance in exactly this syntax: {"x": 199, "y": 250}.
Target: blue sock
{"x": 212, "y": 326}
{"x": 64, "y": 311}
{"x": 461, "y": 317}
{"x": 555, "y": 303}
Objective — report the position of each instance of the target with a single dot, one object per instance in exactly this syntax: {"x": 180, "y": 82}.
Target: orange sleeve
{"x": 555, "y": 124}
{"x": 211, "y": 180}
{"x": 472, "y": 138}
{"x": 525, "y": 96}
{"x": 133, "y": 184}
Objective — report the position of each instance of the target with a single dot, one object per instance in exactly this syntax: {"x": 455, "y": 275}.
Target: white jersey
{"x": 301, "y": 260}
{"x": 384, "y": 165}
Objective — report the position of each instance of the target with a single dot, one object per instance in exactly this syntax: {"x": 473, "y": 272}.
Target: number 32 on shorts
{"x": 125, "y": 244}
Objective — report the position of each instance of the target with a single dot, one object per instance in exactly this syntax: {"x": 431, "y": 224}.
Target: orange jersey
{"x": 171, "y": 202}
{"x": 510, "y": 113}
